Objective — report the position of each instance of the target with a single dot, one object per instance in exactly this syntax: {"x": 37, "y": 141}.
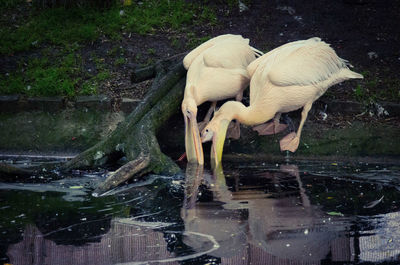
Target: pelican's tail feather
{"x": 352, "y": 75}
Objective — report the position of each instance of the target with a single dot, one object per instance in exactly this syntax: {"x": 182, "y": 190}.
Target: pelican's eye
{"x": 206, "y": 130}
{"x": 188, "y": 111}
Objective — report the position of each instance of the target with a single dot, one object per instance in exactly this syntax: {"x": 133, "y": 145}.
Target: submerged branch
{"x": 136, "y": 167}
{"x": 9, "y": 170}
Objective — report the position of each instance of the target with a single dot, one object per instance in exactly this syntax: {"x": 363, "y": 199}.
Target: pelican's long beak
{"x": 194, "y": 149}
{"x": 218, "y": 141}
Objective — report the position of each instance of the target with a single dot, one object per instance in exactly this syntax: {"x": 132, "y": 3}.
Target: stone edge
{"x": 16, "y": 103}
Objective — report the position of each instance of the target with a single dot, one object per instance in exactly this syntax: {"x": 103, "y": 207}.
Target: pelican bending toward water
{"x": 217, "y": 70}
{"x": 285, "y": 79}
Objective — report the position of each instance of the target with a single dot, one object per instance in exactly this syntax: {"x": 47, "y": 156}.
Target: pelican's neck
{"x": 188, "y": 91}
{"x": 247, "y": 115}
{"x": 191, "y": 94}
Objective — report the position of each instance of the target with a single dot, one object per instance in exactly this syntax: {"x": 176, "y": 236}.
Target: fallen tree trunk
{"x": 135, "y": 138}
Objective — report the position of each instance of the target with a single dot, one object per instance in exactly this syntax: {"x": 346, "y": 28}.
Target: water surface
{"x": 254, "y": 213}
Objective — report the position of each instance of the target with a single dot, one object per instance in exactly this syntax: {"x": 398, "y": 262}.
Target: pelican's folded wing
{"x": 189, "y": 58}
{"x": 230, "y": 54}
{"x": 311, "y": 64}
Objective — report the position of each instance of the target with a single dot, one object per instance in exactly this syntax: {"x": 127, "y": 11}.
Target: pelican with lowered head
{"x": 285, "y": 79}
{"x": 217, "y": 70}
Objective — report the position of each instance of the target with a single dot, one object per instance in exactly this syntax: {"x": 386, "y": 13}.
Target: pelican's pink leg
{"x": 183, "y": 156}
{"x": 234, "y": 127}
{"x": 207, "y": 118}
{"x": 291, "y": 141}
{"x": 233, "y": 131}
{"x": 278, "y": 127}
{"x": 239, "y": 96}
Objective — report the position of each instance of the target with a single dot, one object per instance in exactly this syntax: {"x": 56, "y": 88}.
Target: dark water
{"x": 285, "y": 213}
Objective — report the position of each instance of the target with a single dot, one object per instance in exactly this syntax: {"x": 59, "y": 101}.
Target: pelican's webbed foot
{"x": 269, "y": 128}
{"x": 202, "y": 125}
{"x": 290, "y": 142}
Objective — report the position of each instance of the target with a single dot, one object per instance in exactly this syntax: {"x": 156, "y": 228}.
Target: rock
{"x": 128, "y": 104}
{"x": 242, "y": 7}
{"x": 8, "y": 103}
{"x": 47, "y": 104}
{"x": 97, "y": 102}
{"x": 289, "y": 9}
{"x": 372, "y": 55}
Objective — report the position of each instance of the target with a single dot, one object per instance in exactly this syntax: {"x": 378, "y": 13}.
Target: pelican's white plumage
{"x": 287, "y": 78}
{"x": 217, "y": 70}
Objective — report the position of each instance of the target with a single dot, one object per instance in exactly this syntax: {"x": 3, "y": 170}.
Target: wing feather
{"x": 307, "y": 65}
{"x": 191, "y": 56}
{"x": 229, "y": 55}
{"x": 226, "y": 83}
{"x": 259, "y": 69}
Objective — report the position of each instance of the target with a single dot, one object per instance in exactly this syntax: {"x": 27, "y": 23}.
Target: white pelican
{"x": 285, "y": 79}
{"x": 217, "y": 70}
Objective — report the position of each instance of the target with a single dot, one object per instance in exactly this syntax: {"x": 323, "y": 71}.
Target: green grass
{"x": 52, "y": 26}
{"x": 67, "y": 31}
{"x": 120, "y": 61}
{"x": 373, "y": 88}
{"x": 59, "y": 26}
{"x": 42, "y": 77}
{"x": 64, "y": 75}
{"x": 5, "y": 4}
{"x": 195, "y": 41}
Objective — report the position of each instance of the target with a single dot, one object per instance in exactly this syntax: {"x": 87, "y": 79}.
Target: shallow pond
{"x": 251, "y": 213}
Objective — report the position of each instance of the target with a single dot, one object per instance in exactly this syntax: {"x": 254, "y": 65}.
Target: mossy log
{"x": 135, "y": 138}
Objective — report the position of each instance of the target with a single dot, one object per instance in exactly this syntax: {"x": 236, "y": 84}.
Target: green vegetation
{"x": 63, "y": 75}
{"x": 67, "y": 30}
{"x": 59, "y": 26}
{"x": 151, "y": 51}
{"x": 120, "y": 61}
{"x": 195, "y": 41}
{"x": 5, "y": 4}
{"x": 373, "y": 88}
{"x": 150, "y": 15}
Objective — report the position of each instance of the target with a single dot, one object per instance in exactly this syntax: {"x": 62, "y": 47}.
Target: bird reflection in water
{"x": 210, "y": 216}
{"x": 266, "y": 218}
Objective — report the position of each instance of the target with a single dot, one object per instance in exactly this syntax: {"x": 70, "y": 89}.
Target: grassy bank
{"x": 49, "y": 47}
{"x": 84, "y": 51}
